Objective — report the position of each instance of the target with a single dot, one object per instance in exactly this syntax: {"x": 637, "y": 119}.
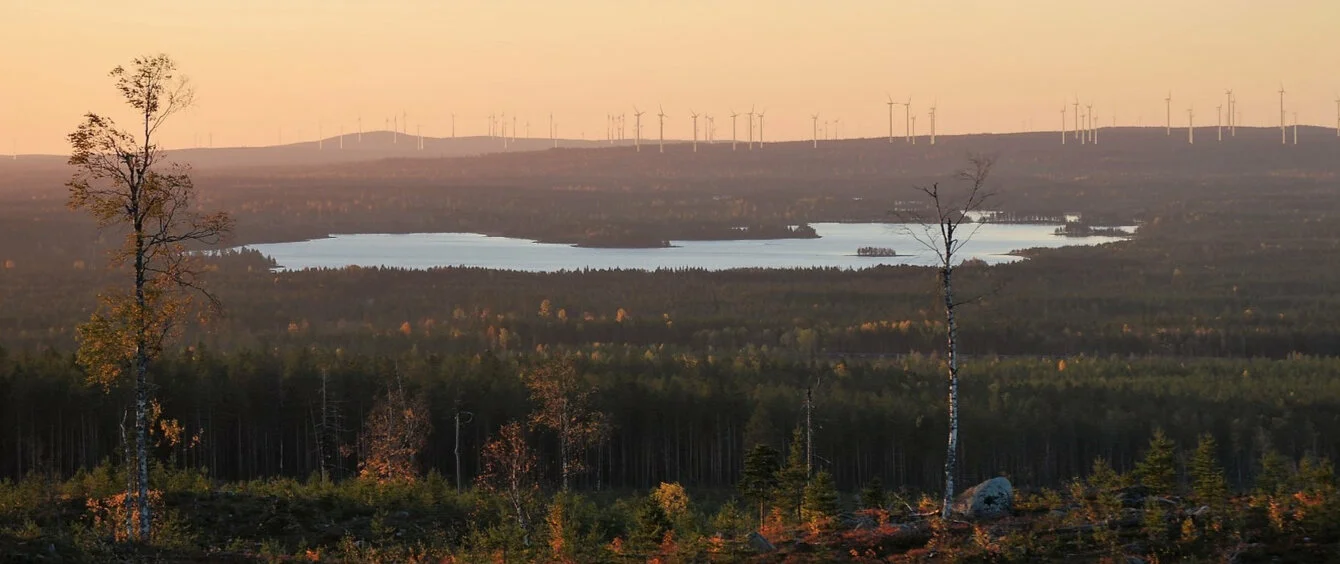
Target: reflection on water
{"x": 836, "y": 247}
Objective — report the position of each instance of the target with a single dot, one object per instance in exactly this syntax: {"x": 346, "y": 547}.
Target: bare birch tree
{"x": 121, "y": 181}
{"x": 941, "y": 229}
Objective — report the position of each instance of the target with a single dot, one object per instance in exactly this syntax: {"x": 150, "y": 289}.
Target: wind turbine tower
{"x": 751, "y": 128}
{"x": 1078, "y": 120}
{"x": 662, "y": 116}
{"x": 1168, "y": 106}
{"x": 1082, "y": 128}
{"x": 1295, "y": 128}
{"x": 1337, "y": 117}
{"x": 320, "y": 137}
{"x": 1063, "y": 109}
{"x": 1219, "y": 122}
{"x": 733, "y": 115}
{"x": 1283, "y": 131}
{"x": 907, "y": 121}
{"x": 914, "y": 130}
{"x": 360, "y": 129}
{"x": 891, "y": 103}
{"x": 1190, "y": 126}
{"x": 1088, "y": 125}
{"x": 814, "y": 119}
{"x": 637, "y": 129}
{"x": 932, "y": 116}
{"x": 694, "y": 115}
{"x": 760, "y": 129}
{"x": 453, "y": 126}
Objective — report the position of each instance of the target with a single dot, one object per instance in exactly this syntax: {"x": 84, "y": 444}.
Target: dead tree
{"x": 941, "y": 229}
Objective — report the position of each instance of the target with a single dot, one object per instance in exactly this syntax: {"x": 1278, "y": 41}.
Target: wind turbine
{"x": 553, "y": 137}
{"x": 890, "y": 103}
{"x": 1168, "y": 106}
{"x": 1190, "y": 126}
{"x": 341, "y": 138}
{"x": 1088, "y": 124}
{"x": 932, "y": 116}
{"x": 637, "y": 129}
{"x": 395, "y": 131}
{"x": 1337, "y": 117}
{"x": 914, "y": 130}
{"x": 1078, "y": 120}
{"x": 1282, "y": 129}
{"x": 694, "y": 115}
{"x": 360, "y": 129}
{"x": 662, "y": 116}
{"x": 760, "y": 129}
{"x": 1082, "y": 127}
{"x": 907, "y": 120}
{"x": 1063, "y": 131}
{"x": 320, "y": 138}
{"x": 418, "y": 130}
{"x": 814, "y": 119}
{"x": 453, "y": 126}
{"x": 751, "y": 128}
{"x": 1219, "y": 121}
{"x": 733, "y": 115}
{"x": 1228, "y": 99}
{"x": 1295, "y": 128}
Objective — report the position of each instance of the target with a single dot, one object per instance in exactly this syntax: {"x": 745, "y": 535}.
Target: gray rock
{"x": 760, "y": 543}
{"x": 992, "y": 498}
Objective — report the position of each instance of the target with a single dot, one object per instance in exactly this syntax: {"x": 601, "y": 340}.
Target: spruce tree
{"x": 793, "y": 478}
{"x": 1207, "y": 477}
{"x": 760, "y": 477}
{"x": 873, "y": 495}
{"x": 1274, "y": 475}
{"x": 821, "y": 498}
{"x": 1157, "y": 471}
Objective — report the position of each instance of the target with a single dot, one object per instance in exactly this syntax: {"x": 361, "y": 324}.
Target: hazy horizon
{"x": 990, "y": 67}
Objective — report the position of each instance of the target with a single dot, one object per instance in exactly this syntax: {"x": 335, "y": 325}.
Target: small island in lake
{"x": 1077, "y": 229}
{"x": 876, "y": 252}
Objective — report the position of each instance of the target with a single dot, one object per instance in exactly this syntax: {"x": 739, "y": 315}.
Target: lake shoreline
{"x": 831, "y": 247}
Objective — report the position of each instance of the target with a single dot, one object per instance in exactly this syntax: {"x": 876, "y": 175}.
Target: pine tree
{"x": 793, "y": 478}
{"x": 1207, "y": 477}
{"x": 873, "y": 495}
{"x": 760, "y": 477}
{"x": 821, "y": 498}
{"x": 1156, "y": 471}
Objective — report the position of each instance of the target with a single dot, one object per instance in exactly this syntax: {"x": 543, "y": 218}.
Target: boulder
{"x": 760, "y": 543}
{"x": 992, "y": 498}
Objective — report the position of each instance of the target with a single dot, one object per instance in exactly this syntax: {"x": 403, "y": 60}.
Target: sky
{"x": 272, "y": 70}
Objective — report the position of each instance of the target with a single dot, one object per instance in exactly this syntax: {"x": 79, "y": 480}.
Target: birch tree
{"x": 121, "y": 179}
{"x": 943, "y": 228}
{"x": 563, "y": 401}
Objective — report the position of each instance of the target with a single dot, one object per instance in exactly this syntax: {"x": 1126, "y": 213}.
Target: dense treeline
{"x": 686, "y": 416}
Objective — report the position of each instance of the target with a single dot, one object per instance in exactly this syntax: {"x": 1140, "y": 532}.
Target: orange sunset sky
{"x": 992, "y": 66}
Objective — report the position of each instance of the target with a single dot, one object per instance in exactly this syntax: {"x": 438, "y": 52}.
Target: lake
{"x": 836, "y": 247}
